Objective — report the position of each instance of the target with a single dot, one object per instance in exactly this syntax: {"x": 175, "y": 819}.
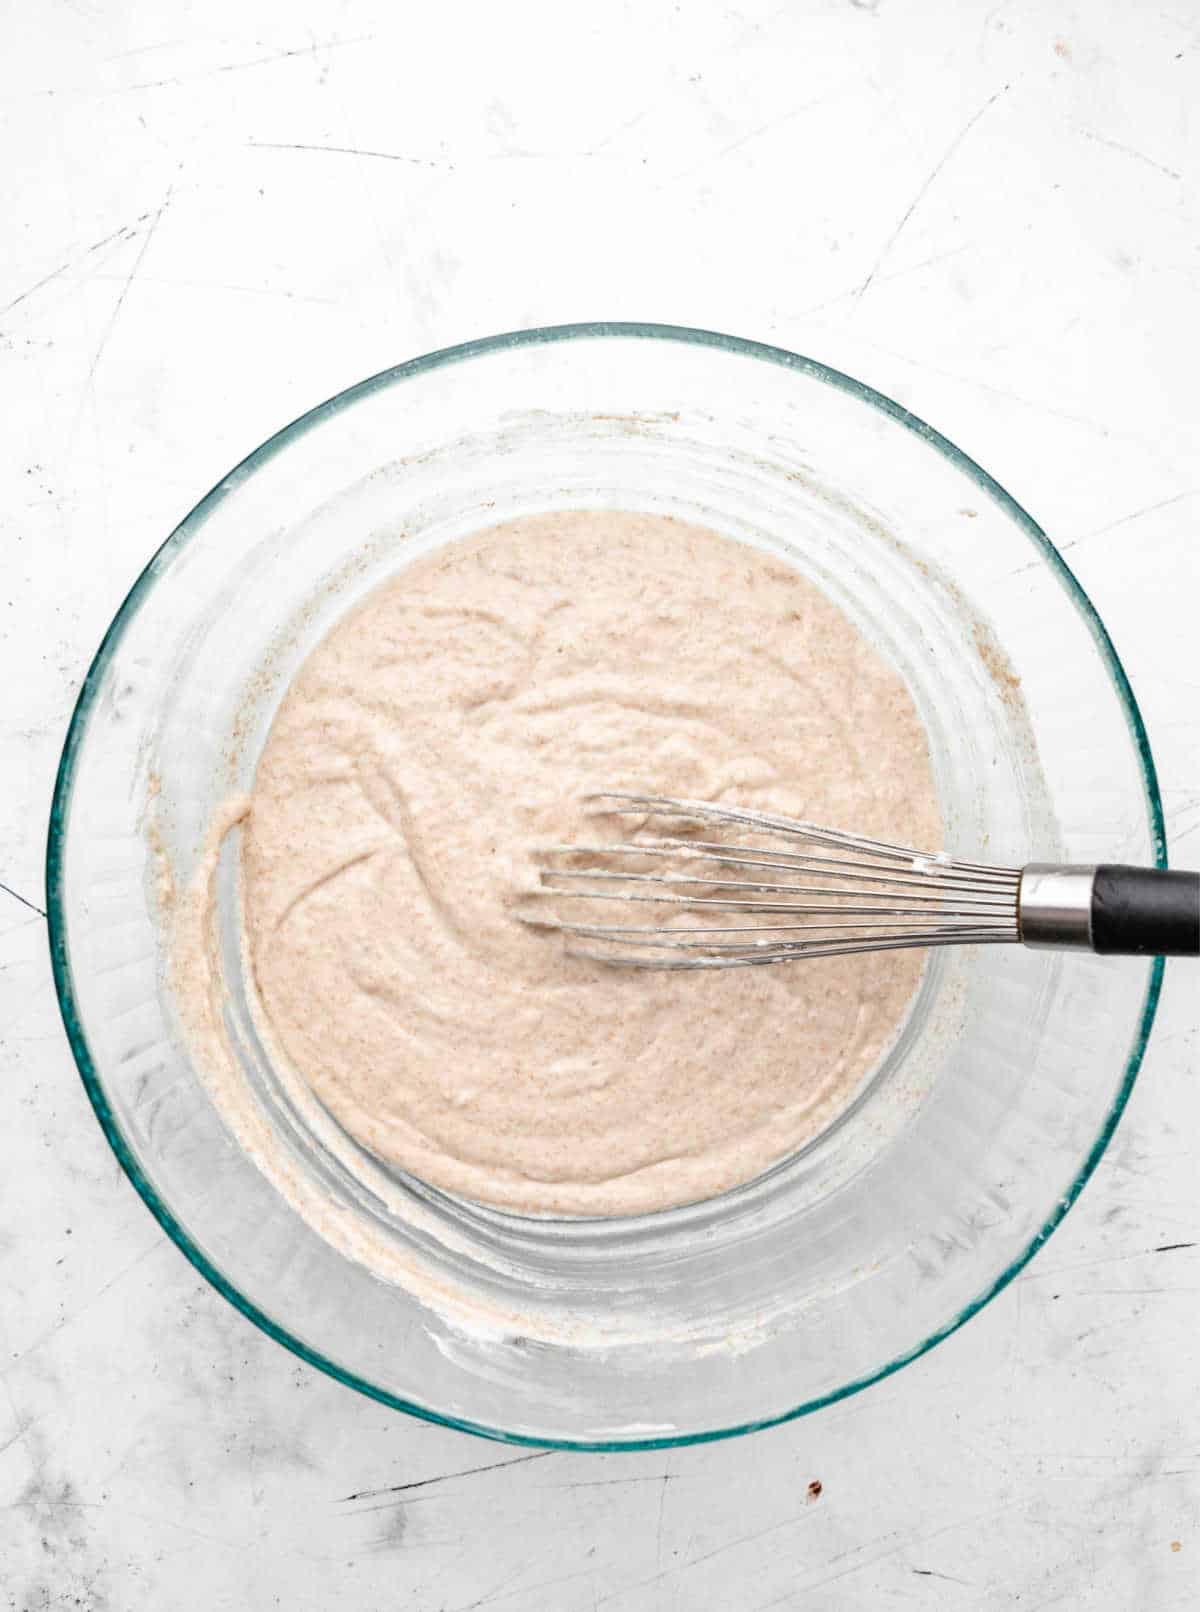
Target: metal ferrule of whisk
{"x": 773, "y": 889}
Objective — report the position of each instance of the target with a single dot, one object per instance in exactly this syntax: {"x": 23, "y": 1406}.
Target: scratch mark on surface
{"x": 1098, "y": 427}
{"x": 1135, "y": 1292}
{"x": 928, "y": 1572}
{"x": 349, "y": 151}
{"x": 1110, "y": 526}
{"x": 28, "y": 1003}
{"x": 1134, "y": 515}
{"x": 662, "y": 1500}
{"x": 141, "y": 50}
{"x": 22, "y": 1426}
{"x": 1169, "y": 1248}
{"x": 124, "y": 292}
{"x": 69, "y": 1320}
{"x": 36, "y": 286}
{"x": 47, "y": 279}
{"x": 903, "y": 1543}
{"x": 884, "y": 279}
{"x": 1029, "y": 1277}
{"x": 708, "y": 1556}
{"x": 605, "y": 1483}
{"x": 22, "y": 923}
{"x": 1130, "y": 151}
{"x": 445, "y": 1477}
{"x": 924, "y": 189}
{"x": 753, "y": 134}
{"x": 503, "y": 1594}
{"x": 523, "y": 156}
{"x": 498, "y": 1592}
{"x": 241, "y": 67}
{"x": 276, "y": 292}
{"x": 155, "y": 1521}
{"x": 17, "y": 896}
{"x": 1132, "y": 1466}
{"x": 16, "y": 1438}
{"x": 615, "y": 134}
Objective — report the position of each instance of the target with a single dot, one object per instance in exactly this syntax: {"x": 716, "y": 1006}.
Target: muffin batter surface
{"x": 448, "y": 725}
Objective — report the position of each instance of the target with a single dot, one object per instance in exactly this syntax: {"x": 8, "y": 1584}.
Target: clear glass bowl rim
{"x": 191, "y": 524}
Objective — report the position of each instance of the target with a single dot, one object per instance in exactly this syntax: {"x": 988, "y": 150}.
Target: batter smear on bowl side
{"x": 450, "y": 723}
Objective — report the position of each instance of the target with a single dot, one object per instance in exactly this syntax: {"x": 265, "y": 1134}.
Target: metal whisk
{"x": 733, "y": 902}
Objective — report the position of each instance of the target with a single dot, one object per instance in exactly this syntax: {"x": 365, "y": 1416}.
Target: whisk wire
{"x": 826, "y": 866}
{"x": 871, "y": 895}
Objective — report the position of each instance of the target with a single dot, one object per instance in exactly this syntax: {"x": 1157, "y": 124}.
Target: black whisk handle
{"x": 1145, "y": 912}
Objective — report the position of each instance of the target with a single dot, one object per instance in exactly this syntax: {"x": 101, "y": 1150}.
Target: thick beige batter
{"x": 448, "y": 725}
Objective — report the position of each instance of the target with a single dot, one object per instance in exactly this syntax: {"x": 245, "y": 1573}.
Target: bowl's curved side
{"x": 176, "y": 543}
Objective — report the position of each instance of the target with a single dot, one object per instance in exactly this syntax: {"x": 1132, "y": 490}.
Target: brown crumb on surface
{"x": 815, "y": 1487}
{"x": 1177, "y": 1544}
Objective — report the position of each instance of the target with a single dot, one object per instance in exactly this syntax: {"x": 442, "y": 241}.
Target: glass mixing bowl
{"x": 835, "y": 1268}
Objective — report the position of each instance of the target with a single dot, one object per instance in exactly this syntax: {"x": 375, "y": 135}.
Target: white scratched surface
{"x": 215, "y": 216}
